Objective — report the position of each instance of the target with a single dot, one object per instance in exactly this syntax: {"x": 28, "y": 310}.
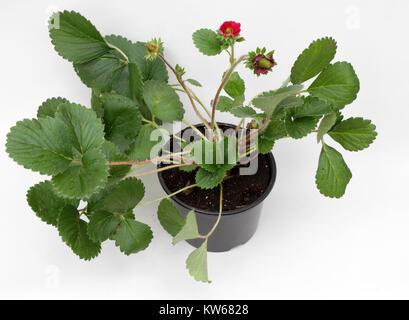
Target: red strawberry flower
{"x": 229, "y": 29}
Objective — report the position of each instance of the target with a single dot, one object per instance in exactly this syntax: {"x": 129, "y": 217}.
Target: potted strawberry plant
{"x": 215, "y": 175}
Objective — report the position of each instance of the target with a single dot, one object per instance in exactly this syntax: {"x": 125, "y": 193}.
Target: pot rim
{"x": 273, "y": 175}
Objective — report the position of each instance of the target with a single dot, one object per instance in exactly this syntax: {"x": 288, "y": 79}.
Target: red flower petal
{"x": 230, "y": 29}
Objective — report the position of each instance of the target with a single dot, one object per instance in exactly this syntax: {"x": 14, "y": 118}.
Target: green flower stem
{"x": 194, "y": 129}
{"x": 224, "y": 81}
{"x": 167, "y": 196}
{"x": 182, "y": 83}
{"x": 138, "y": 167}
{"x": 195, "y": 97}
{"x": 232, "y": 55}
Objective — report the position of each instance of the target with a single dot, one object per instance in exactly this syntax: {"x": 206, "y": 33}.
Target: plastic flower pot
{"x": 236, "y": 226}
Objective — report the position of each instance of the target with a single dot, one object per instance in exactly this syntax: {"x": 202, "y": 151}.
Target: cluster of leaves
{"x": 288, "y": 113}
{"x": 74, "y": 145}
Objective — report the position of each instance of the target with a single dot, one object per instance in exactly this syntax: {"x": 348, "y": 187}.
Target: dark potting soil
{"x": 238, "y": 190}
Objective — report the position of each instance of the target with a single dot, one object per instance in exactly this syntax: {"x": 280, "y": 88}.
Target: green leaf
{"x": 275, "y": 130}
{"x": 196, "y": 263}
{"x": 86, "y": 130}
{"x": 133, "y": 236}
{"x": 337, "y": 84}
{"x": 188, "y": 168}
{"x": 135, "y": 83}
{"x": 73, "y": 232}
{"x": 194, "y": 82}
{"x": 122, "y": 120}
{"x": 209, "y": 180}
{"x": 45, "y": 203}
{"x": 268, "y": 103}
{"x": 313, "y": 60}
{"x": 189, "y": 229}
{"x": 123, "y": 196}
{"x": 312, "y": 107}
{"x": 96, "y": 103}
{"x": 102, "y": 225}
{"x": 75, "y": 38}
{"x": 163, "y": 101}
{"x": 300, "y": 127}
{"x": 354, "y": 134}
{"x": 265, "y": 145}
{"x": 207, "y": 42}
{"x": 49, "y": 107}
{"x": 244, "y": 112}
{"x": 225, "y": 104}
{"x": 333, "y": 174}
{"x": 99, "y": 73}
{"x": 235, "y": 86}
{"x": 82, "y": 178}
{"x": 42, "y": 145}
{"x": 170, "y": 217}
{"x": 326, "y": 124}
{"x": 142, "y": 147}
{"x": 112, "y": 153}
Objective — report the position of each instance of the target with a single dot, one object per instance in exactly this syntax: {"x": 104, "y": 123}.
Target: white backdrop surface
{"x": 307, "y": 246}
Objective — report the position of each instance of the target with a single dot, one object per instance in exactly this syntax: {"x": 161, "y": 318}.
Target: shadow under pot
{"x": 243, "y": 196}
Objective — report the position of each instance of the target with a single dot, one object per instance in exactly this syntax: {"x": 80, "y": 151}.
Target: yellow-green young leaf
{"x": 162, "y": 101}
{"x": 235, "y": 86}
{"x": 73, "y": 232}
{"x": 326, "y": 124}
{"x": 46, "y": 203}
{"x": 354, "y": 134}
{"x": 49, "y": 107}
{"x": 82, "y": 178}
{"x": 75, "y": 38}
{"x": 337, "y": 84}
{"x": 313, "y": 59}
{"x": 209, "y": 180}
{"x": 42, "y": 145}
{"x": 196, "y": 263}
{"x": 122, "y": 120}
{"x": 207, "y": 42}
{"x": 132, "y": 236}
{"x": 189, "y": 229}
{"x": 194, "y": 82}
{"x": 268, "y": 102}
{"x": 123, "y": 196}
{"x": 170, "y": 217}
{"x": 102, "y": 225}
{"x": 300, "y": 127}
{"x": 333, "y": 174}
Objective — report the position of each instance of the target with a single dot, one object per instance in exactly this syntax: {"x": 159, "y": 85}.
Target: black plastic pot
{"x": 237, "y": 226}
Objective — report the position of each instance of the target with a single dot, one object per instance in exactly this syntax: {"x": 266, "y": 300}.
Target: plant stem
{"x": 232, "y": 55}
{"x": 160, "y": 170}
{"x": 286, "y": 82}
{"x": 238, "y": 126}
{"x": 194, "y": 129}
{"x": 167, "y": 196}
{"x": 158, "y": 158}
{"x": 182, "y": 83}
{"x": 119, "y": 50}
{"x": 224, "y": 81}
{"x": 153, "y": 123}
{"x": 218, "y": 217}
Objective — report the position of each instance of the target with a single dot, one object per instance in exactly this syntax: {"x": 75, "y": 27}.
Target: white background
{"x": 307, "y": 246}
